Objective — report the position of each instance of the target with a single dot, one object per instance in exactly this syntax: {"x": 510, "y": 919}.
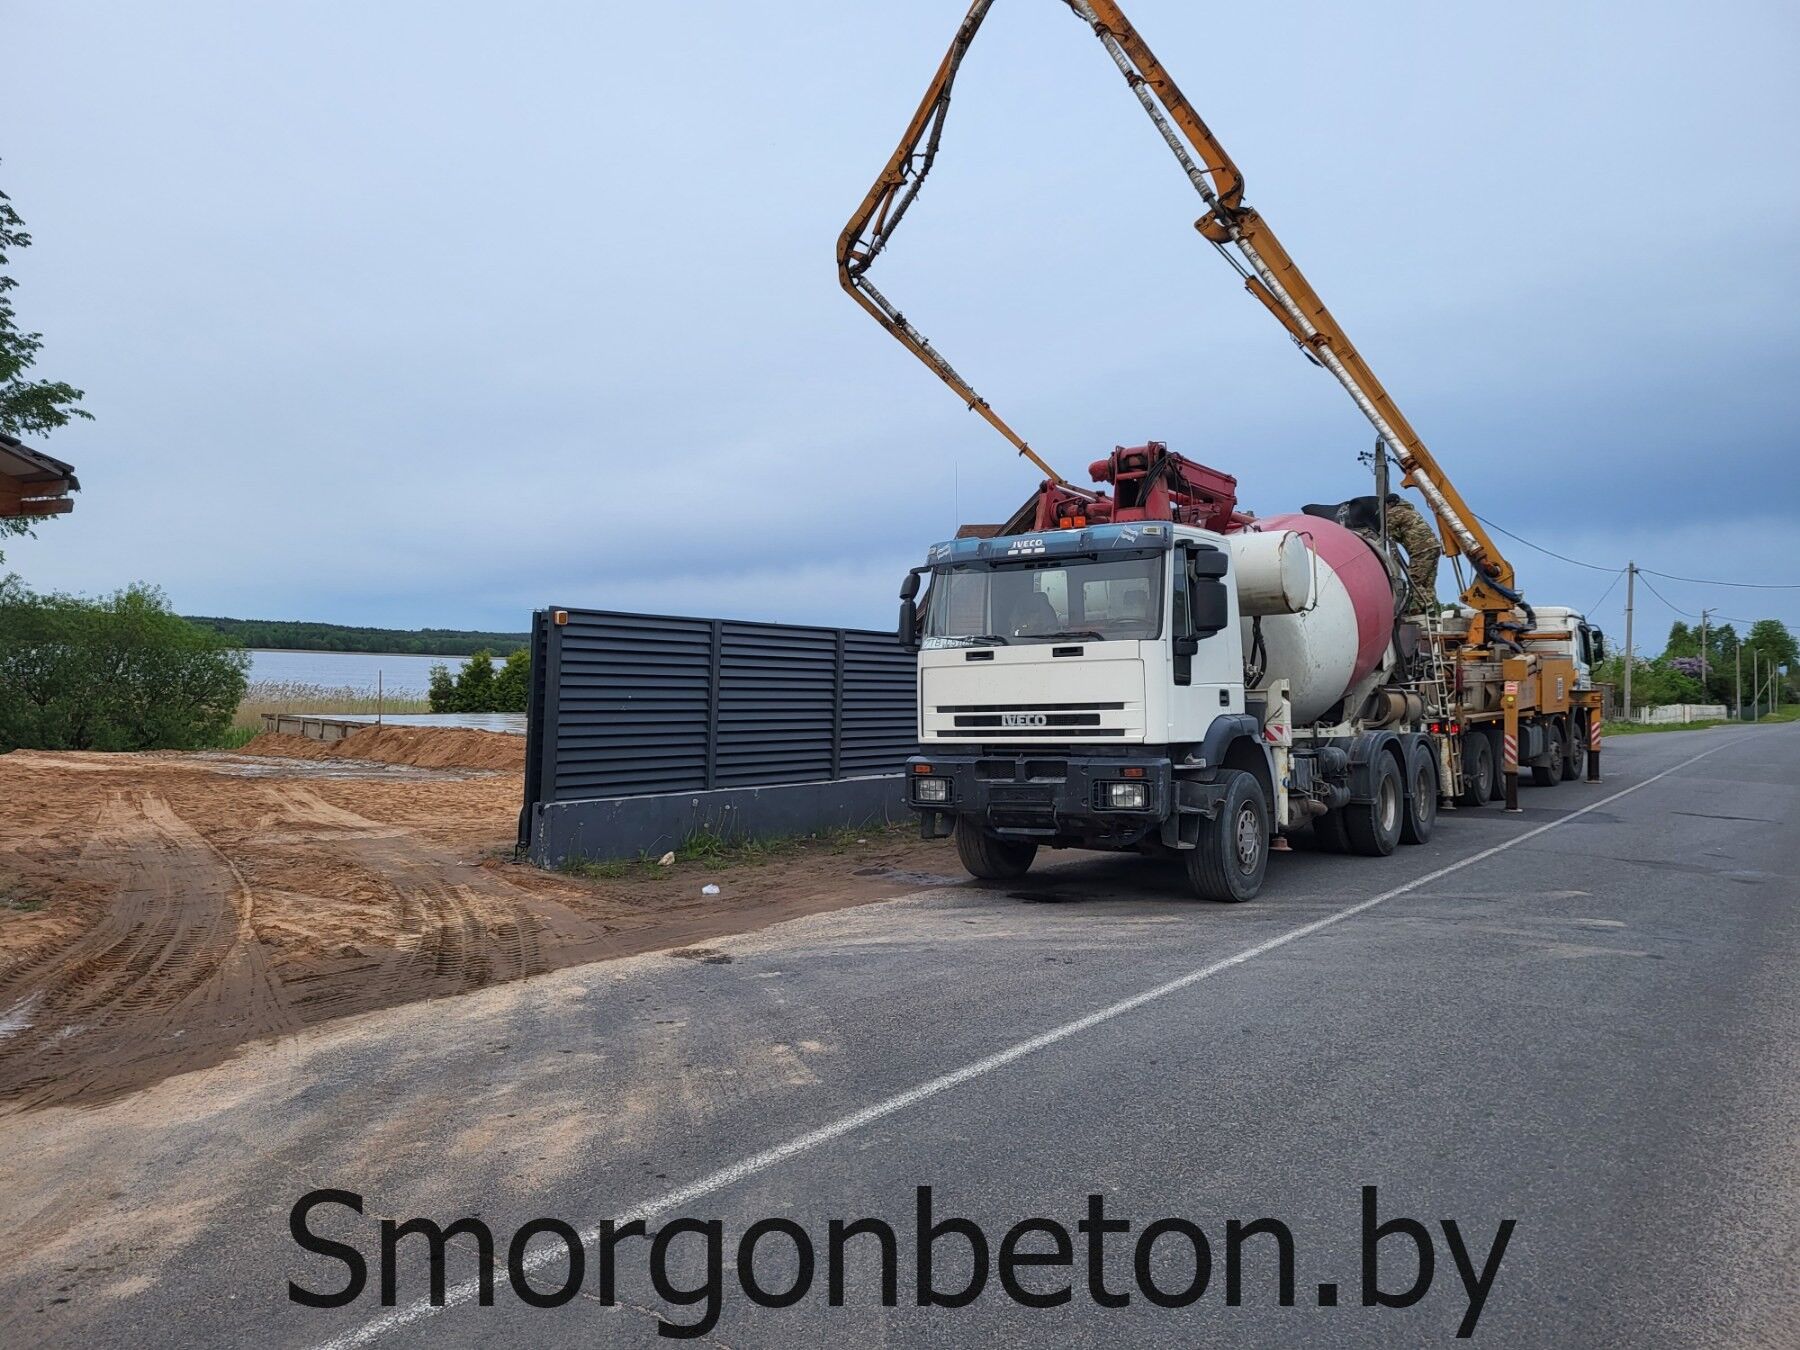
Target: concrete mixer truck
{"x": 1157, "y": 673}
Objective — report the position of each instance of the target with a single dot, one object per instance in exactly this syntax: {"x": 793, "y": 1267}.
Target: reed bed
{"x": 292, "y": 696}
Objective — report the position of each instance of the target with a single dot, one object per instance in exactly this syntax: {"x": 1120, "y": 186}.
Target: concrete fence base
{"x": 604, "y": 829}
{"x": 1681, "y": 712}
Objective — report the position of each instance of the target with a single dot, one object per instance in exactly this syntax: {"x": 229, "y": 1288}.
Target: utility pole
{"x": 1755, "y": 688}
{"x": 1703, "y": 614}
{"x": 1630, "y": 651}
{"x": 1737, "y": 705}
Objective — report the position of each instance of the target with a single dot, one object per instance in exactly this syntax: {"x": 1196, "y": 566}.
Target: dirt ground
{"x": 161, "y": 912}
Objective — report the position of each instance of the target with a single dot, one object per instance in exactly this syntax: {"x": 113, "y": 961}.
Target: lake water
{"x": 401, "y": 676}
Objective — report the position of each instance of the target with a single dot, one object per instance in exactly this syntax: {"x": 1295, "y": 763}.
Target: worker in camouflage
{"x": 1410, "y": 530}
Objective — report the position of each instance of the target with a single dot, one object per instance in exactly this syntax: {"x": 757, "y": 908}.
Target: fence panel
{"x": 626, "y": 705}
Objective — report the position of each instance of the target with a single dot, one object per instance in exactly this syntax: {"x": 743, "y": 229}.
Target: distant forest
{"x": 289, "y": 635}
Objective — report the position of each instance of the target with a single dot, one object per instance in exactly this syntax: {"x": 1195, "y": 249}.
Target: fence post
{"x": 837, "y": 707}
{"x": 549, "y": 732}
{"x": 712, "y": 703}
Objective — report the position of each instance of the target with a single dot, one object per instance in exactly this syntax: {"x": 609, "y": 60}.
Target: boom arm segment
{"x": 885, "y": 205}
{"x": 1274, "y": 279}
{"x": 1237, "y": 231}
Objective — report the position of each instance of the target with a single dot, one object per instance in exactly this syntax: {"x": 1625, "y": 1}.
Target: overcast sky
{"x": 431, "y": 314}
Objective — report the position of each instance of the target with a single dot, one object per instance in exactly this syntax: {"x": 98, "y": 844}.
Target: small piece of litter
{"x": 667, "y": 860}
{"x": 709, "y": 889}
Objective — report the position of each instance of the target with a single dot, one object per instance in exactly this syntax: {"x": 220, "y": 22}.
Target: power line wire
{"x": 1666, "y": 576}
{"x": 1596, "y": 567}
{"x": 1665, "y": 599}
{"x": 1595, "y": 607}
{"x": 1688, "y": 612}
{"x": 1747, "y": 585}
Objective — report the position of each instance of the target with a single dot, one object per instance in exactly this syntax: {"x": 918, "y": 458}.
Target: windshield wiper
{"x": 1085, "y": 633}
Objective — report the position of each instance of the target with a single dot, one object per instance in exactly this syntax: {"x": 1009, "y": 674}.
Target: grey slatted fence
{"x": 627, "y": 705}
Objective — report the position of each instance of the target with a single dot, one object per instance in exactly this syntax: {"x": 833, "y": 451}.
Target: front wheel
{"x": 1422, "y": 810}
{"x": 1233, "y": 852}
{"x": 989, "y": 858}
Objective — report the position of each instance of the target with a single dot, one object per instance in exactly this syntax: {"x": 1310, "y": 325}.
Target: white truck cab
{"x": 1566, "y": 632}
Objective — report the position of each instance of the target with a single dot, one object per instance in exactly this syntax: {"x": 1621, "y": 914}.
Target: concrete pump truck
{"x": 1140, "y": 666}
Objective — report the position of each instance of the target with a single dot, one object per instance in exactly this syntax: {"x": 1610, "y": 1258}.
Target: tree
{"x": 1774, "y": 645}
{"x": 122, "y": 673}
{"x": 442, "y": 690}
{"x": 1654, "y": 683}
{"x": 479, "y": 688}
{"x": 512, "y": 686}
{"x": 475, "y": 685}
{"x": 27, "y": 407}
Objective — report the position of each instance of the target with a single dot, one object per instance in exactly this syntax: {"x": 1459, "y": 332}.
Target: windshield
{"x": 1046, "y": 602}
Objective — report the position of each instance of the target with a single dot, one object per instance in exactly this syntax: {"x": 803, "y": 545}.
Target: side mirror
{"x": 1210, "y": 562}
{"x": 910, "y": 587}
{"x": 1209, "y": 607}
{"x": 909, "y": 623}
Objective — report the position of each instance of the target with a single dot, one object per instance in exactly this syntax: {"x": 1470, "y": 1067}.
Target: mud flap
{"x": 1194, "y": 803}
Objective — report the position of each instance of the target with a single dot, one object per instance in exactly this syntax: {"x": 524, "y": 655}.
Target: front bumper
{"x": 1041, "y": 794}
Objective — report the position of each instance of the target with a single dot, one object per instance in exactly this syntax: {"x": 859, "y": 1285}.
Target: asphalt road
{"x": 1584, "y": 1019}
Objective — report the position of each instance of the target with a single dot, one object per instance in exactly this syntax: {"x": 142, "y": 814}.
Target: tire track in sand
{"x": 176, "y": 946}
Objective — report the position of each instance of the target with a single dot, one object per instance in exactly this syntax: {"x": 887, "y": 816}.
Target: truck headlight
{"x": 1127, "y": 796}
{"x": 931, "y": 789}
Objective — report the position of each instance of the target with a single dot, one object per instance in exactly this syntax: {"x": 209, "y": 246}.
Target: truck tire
{"x": 1422, "y": 807}
{"x": 1478, "y": 770}
{"x": 1233, "y": 853}
{"x": 1577, "y": 747}
{"x": 1374, "y": 827}
{"x": 1549, "y": 775}
{"x": 989, "y": 858}
{"x": 1496, "y": 789}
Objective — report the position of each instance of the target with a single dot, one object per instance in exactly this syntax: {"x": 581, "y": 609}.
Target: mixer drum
{"x": 1323, "y": 651}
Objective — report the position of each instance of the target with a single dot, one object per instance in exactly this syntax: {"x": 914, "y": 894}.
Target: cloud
{"x": 421, "y": 315}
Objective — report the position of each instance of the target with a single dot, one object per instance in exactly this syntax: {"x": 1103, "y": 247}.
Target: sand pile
{"x": 421, "y": 747}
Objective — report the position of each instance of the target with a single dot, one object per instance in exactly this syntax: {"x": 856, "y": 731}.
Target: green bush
{"x": 479, "y": 688}
{"x": 120, "y": 673}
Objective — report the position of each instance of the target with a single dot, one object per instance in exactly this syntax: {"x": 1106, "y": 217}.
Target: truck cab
{"x": 1566, "y": 632}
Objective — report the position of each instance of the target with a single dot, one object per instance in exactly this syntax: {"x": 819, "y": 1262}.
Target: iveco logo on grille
{"x": 1024, "y": 719}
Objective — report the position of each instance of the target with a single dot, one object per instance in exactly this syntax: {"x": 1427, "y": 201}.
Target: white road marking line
{"x": 761, "y": 1162}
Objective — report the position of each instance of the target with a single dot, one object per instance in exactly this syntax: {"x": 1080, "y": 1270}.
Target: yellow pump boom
{"x": 1238, "y": 231}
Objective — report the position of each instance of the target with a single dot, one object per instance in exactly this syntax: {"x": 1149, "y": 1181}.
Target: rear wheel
{"x": 1374, "y": 827}
{"x": 1497, "y": 786}
{"x": 989, "y": 858}
{"x": 1478, "y": 770}
{"x": 1422, "y": 809}
{"x": 1550, "y": 774}
{"x": 1233, "y": 852}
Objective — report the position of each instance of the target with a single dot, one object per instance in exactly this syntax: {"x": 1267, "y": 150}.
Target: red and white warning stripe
{"x": 1510, "y": 753}
{"x": 1594, "y": 734}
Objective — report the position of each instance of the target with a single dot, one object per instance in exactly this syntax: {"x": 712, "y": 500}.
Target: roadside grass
{"x": 291, "y": 696}
{"x": 1787, "y": 713}
{"x": 235, "y": 737}
{"x": 722, "y": 852}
